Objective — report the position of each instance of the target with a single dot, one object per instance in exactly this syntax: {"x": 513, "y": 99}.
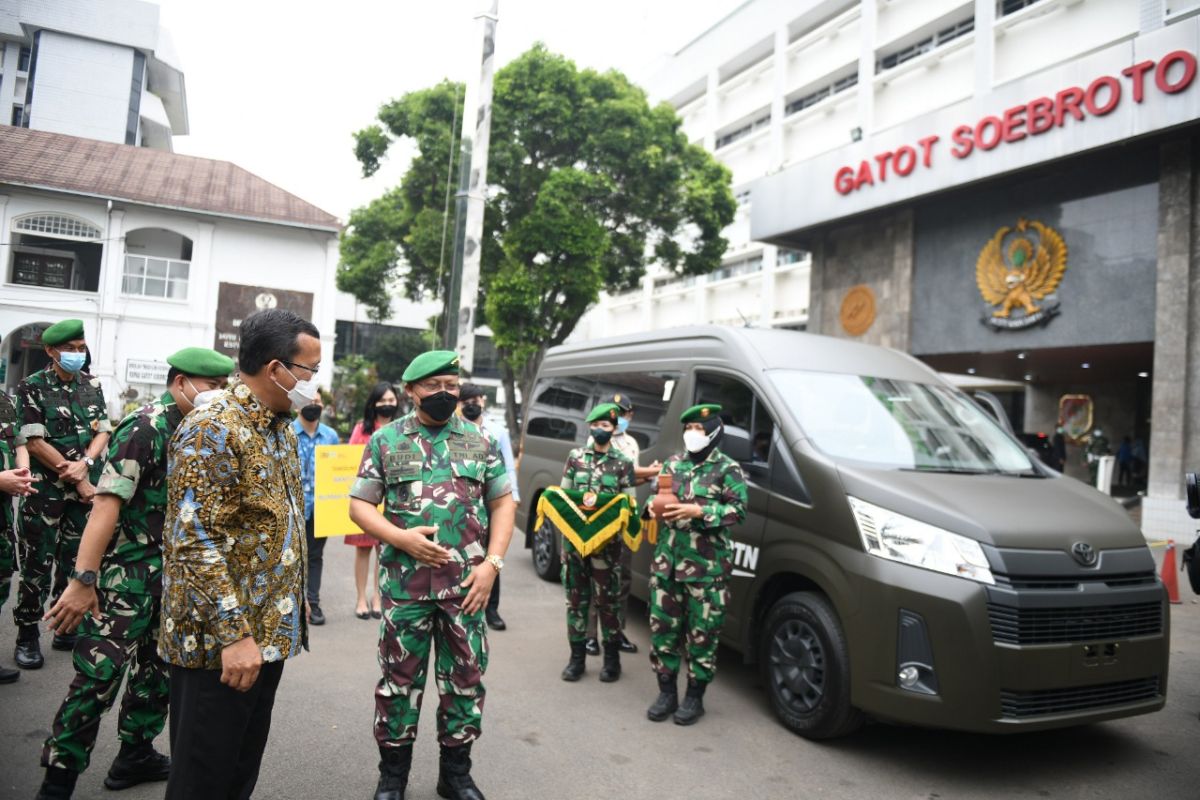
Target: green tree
{"x": 588, "y": 184}
{"x": 353, "y": 378}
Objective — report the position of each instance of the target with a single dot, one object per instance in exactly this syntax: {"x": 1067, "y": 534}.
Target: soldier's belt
{"x": 589, "y": 520}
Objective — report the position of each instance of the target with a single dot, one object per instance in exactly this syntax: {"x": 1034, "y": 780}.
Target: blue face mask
{"x": 72, "y": 362}
{"x": 622, "y": 424}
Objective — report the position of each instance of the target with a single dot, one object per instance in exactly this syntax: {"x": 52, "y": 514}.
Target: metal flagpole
{"x": 469, "y": 201}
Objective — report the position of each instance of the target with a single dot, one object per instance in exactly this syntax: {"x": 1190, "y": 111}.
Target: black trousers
{"x": 493, "y": 603}
{"x": 316, "y": 560}
{"x": 218, "y": 734}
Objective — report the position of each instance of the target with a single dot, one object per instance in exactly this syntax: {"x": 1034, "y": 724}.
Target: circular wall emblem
{"x": 265, "y": 300}
{"x": 858, "y": 310}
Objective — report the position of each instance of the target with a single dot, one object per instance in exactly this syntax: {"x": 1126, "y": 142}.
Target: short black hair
{"x": 172, "y": 373}
{"x": 470, "y": 391}
{"x": 369, "y": 415}
{"x": 270, "y": 335}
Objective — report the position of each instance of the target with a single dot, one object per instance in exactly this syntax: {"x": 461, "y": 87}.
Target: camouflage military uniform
{"x": 129, "y": 588}
{"x": 9, "y": 441}
{"x": 595, "y": 579}
{"x": 445, "y": 478}
{"x": 67, "y": 415}
{"x": 691, "y": 564}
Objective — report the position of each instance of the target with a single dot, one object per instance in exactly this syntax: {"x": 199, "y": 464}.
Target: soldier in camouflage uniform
{"x": 595, "y": 579}
{"x": 692, "y": 563}
{"x": 16, "y": 481}
{"x": 121, "y": 556}
{"x": 445, "y": 493}
{"x": 65, "y": 422}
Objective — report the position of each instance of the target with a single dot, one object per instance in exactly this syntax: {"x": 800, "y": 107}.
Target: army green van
{"x": 902, "y": 556}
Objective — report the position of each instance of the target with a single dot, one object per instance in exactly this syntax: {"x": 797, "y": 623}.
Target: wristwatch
{"x": 91, "y": 462}
{"x": 496, "y": 561}
{"x": 87, "y": 577}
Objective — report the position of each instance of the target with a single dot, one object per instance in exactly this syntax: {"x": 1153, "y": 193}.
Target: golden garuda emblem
{"x": 1018, "y": 268}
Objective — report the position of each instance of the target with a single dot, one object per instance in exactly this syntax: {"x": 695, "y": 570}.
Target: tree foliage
{"x": 588, "y": 184}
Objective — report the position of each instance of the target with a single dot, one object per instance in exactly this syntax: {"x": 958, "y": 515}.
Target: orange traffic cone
{"x": 1170, "y": 573}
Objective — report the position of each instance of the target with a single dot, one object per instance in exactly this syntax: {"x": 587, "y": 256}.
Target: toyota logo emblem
{"x": 1084, "y": 553}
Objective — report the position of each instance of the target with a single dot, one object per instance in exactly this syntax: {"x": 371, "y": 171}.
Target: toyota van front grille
{"x": 1027, "y": 626}
{"x": 1041, "y": 702}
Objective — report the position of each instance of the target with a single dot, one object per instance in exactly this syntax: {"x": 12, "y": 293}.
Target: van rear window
{"x": 561, "y": 403}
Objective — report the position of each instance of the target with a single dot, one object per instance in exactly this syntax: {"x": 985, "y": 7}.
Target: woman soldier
{"x": 600, "y": 468}
{"x": 692, "y": 562}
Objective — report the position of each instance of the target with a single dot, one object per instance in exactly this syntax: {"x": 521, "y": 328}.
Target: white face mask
{"x": 695, "y": 441}
{"x": 201, "y": 399}
{"x": 304, "y": 393}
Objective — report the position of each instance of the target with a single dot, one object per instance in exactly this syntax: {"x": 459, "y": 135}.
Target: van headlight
{"x": 896, "y": 537}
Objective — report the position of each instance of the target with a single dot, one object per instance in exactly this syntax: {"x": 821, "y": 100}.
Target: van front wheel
{"x": 806, "y": 667}
{"x": 546, "y": 560}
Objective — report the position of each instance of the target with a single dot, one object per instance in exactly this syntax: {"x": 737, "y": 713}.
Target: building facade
{"x": 153, "y": 251}
{"x": 100, "y": 69}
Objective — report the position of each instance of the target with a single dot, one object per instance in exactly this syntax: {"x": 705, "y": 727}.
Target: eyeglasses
{"x": 310, "y": 370}
{"x": 439, "y": 386}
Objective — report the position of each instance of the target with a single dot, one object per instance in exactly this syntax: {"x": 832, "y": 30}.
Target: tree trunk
{"x": 509, "y": 381}
{"x": 523, "y": 376}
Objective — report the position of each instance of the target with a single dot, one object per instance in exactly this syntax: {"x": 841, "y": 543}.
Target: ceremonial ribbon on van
{"x": 589, "y": 520}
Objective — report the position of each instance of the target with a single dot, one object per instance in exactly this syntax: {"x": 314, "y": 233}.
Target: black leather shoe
{"x": 692, "y": 707}
{"x": 626, "y": 645}
{"x": 577, "y": 665}
{"x": 667, "y": 701}
{"x": 394, "y": 765}
{"x": 28, "y": 654}
{"x": 494, "y": 620}
{"x": 134, "y": 765}
{"x": 592, "y": 645}
{"x": 9, "y": 675}
{"x": 315, "y": 615}
{"x": 63, "y": 642}
{"x": 58, "y": 784}
{"x": 612, "y": 663}
{"x": 454, "y": 774}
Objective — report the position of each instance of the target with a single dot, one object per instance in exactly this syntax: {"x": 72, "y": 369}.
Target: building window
{"x": 155, "y": 277}
{"x": 926, "y": 45}
{"x": 54, "y": 269}
{"x": 23, "y": 60}
{"x": 1006, "y": 7}
{"x": 59, "y": 226}
{"x": 786, "y": 255}
{"x": 801, "y": 103}
{"x": 16, "y": 116}
{"x": 743, "y": 267}
{"x": 743, "y": 131}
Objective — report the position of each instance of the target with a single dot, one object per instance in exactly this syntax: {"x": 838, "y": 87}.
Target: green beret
{"x": 701, "y": 413}
{"x": 66, "y": 331}
{"x": 427, "y": 365}
{"x": 605, "y": 412}
{"x": 201, "y": 362}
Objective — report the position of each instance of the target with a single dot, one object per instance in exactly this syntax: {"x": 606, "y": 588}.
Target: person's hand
{"x": 77, "y": 601}
{"x": 85, "y": 490}
{"x": 416, "y": 542}
{"x": 72, "y": 471}
{"x": 240, "y": 664}
{"x": 674, "y": 512}
{"x": 307, "y": 611}
{"x": 480, "y": 580}
{"x": 17, "y": 482}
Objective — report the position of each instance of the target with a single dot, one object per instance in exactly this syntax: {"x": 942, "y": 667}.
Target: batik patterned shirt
{"x": 442, "y": 477}
{"x": 136, "y": 472}
{"x": 234, "y": 555}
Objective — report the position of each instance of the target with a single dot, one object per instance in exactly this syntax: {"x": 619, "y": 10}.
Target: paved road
{"x": 547, "y": 739}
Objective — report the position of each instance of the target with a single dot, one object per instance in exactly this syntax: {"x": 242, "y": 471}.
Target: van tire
{"x": 547, "y": 561}
{"x": 806, "y": 667}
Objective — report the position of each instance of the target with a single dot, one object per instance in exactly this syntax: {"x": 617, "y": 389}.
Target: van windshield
{"x": 898, "y": 424}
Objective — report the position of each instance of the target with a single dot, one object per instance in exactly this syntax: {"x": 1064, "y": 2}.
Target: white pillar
{"x": 203, "y": 286}
{"x": 712, "y": 107}
{"x": 777, "y": 99}
{"x": 985, "y": 46}
{"x": 767, "y": 286}
{"x": 105, "y": 358}
{"x": 866, "y": 66}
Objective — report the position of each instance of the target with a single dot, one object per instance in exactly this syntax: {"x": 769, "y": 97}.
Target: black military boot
{"x": 64, "y": 642}
{"x": 612, "y": 662}
{"x": 394, "y": 764}
{"x": 578, "y": 663}
{"x": 9, "y": 675}
{"x": 58, "y": 784}
{"x": 693, "y": 705}
{"x": 137, "y": 763}
{"x": 28, "y": 654}
{"x": 667, "y": 701}
{"x": 454, "y": 774}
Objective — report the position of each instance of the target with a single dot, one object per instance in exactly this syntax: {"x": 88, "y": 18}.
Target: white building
{"x": 153, "y": 251}
{"x": 101, "y": 69}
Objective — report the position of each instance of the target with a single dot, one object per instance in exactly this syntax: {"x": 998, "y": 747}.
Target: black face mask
{"x": 601, "y": 436}
{"x": 472, "y": 411}
{"x": 439, "y": 406}
{"x": 387, "y": 412}
{"x": 311, "y": 413}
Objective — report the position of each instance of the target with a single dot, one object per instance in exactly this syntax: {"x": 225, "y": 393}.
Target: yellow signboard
{"x": 337, "y": 466}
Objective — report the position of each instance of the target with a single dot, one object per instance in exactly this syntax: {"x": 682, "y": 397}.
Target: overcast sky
{"x": 279, "y": 86}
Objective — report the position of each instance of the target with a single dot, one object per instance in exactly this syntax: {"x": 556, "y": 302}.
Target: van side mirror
{"x": 736, "y": 443}
{"x": 1193, "y": 494}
